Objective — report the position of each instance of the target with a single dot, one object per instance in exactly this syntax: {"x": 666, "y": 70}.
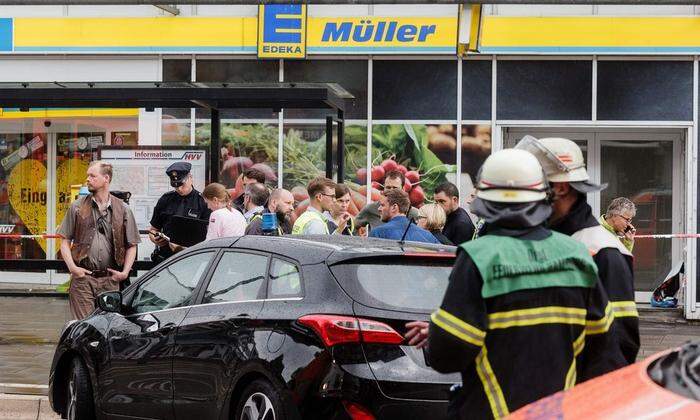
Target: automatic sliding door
{"x": 641, "y": 168}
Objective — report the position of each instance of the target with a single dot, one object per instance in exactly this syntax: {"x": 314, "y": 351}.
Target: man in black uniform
{"x": 458, "y": 226}
{"x": 563, "y": 162}
{"x": 183, "y": 201}
{"x": 522, "y": 303}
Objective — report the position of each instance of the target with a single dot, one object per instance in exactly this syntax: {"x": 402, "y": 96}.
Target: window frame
{"x": 196, "y": 292}
{"x": 302, "y": 291}
{"x": 212, "y": 269}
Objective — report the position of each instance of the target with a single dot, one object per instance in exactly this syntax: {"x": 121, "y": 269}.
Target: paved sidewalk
{"x": 26, "y": 407}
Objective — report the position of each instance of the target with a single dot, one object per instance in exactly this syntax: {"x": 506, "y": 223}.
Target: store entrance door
{"x": 646, "y": 166}
{"x": 38, "y": 166}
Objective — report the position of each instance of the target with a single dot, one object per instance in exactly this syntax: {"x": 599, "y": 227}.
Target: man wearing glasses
{"x": 618, "y": 221}
{"x": 99, "y": 241}
{"x": 321, "y": 198}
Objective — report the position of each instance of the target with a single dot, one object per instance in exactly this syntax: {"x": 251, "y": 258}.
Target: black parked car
{"x": 261, "y": 328}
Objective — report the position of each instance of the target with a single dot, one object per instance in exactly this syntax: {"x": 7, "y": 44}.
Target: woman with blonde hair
{"x": 432, "y": 218}
{"x": 224, "y": 221}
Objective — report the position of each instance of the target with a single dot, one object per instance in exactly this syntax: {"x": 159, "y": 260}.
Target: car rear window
{"x": 399, "y": 284}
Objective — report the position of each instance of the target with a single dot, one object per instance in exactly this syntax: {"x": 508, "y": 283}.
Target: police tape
{"x": 669, "y": 236}
{"x": 17, "y": 236}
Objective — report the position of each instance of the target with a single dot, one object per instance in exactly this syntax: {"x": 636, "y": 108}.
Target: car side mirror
{"x": 110, "y": 301}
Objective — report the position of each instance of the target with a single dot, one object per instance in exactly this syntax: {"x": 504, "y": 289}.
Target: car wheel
{"x": 260, "y": 401}
{"x": 79, "y": 404}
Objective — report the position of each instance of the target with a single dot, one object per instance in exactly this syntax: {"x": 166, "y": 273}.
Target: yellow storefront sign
{"x": 286, "y": 33}
{"x": 590, "y": 35}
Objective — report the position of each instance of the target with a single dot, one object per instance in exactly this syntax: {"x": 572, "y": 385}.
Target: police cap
{"x": 178, "y": 171}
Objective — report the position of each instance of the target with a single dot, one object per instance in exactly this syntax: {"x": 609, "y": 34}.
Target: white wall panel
{"x": 208, "y": 10}
{"x": 542, "y": 10}
{"x": 415, "y": 10}
{"x": 115, "y": 11}
{"x": 636, "y": 10}
{"x": 78, "y": 69}
{"x": 338, "y": 10}
{"x": 31, "y": 11}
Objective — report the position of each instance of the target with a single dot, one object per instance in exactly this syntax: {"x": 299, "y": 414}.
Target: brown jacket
{"x": 85, "y": 230}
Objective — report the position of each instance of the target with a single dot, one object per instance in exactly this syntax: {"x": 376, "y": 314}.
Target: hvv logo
{"x": 282, "y": 31}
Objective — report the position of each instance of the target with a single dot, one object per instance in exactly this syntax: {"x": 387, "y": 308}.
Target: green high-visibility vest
{"x": 305, "y": 219}
{"x": 509, "y": 264}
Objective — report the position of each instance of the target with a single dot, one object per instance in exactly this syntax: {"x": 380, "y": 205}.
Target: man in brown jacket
{"x": 99, "y": 241}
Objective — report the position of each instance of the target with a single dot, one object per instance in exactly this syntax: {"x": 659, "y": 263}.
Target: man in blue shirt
{"x": 393, "y": 207}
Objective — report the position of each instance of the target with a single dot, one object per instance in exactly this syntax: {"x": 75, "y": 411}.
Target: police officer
{"x": 521, "y": 303}
{"x": 563, "y": 162}
{"x": 183, "y": 201}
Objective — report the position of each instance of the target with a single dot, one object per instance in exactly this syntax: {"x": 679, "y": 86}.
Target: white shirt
{"x": 224, "y": 223}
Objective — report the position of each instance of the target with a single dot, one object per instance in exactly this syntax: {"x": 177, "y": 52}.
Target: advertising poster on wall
{"x": 141, "y": 171}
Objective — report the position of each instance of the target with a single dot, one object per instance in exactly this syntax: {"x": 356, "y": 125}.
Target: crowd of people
{"x": 538, "y": 279}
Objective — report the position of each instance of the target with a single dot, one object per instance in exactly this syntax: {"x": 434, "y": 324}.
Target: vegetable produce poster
{"x": 141, "y": 171}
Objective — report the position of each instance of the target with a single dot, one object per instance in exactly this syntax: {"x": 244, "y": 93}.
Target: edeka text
{"x": 281, "y": 49}
{"x": 382, "y": 31}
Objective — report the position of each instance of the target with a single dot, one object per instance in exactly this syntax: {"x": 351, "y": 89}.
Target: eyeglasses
{"x": 626, "y": 219}
{"x": 328, "y": 195}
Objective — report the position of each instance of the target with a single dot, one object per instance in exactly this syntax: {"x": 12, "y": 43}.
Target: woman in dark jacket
{"x": 432, "y": 218}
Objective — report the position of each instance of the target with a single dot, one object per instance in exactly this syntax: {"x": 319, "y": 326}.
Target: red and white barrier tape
{"x": 669, "y": 236}
{"x": 660, "y": 236}
{"x": 14, "y": 236}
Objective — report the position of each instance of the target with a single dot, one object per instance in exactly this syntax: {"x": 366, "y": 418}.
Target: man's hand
{"x": 343, "y": 222}
{"x": 157, "y": 239}
{"x": 118, "y": 275}
{"x": 79, "y": 272}
{"x": 417, "y": 334}
{"x": 629, "y": 233}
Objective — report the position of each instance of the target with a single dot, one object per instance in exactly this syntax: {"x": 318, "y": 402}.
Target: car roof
{"x": 315, "y": 249}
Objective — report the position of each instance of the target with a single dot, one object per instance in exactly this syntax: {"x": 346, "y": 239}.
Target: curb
{"x": 32, "y": 293}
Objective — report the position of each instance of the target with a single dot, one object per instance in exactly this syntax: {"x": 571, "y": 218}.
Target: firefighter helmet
{"x": 511, "y": 176}
{"x": 562, "y": 161}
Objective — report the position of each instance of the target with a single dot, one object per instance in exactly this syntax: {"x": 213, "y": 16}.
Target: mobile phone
{"x": 629, "y": 228}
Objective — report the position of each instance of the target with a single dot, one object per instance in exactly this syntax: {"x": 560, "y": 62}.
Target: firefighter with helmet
{"x": 563, "y": 163}
{"x": 521, "y": 303}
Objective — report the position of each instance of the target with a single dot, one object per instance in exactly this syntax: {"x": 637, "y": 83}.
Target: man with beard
{"x": 521, "y": 302}
{"x": 563, "y": 163}
{"x": 281, "y": 203}
{"x": 99, "y": 239}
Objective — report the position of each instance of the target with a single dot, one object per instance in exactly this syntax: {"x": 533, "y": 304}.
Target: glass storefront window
{"x": 428, "y": 151}
{"x": 23, "y": 193}
{"x": 476, "y": 147}
{"x": 350, "y": 74}
{"x": 304, "y": 151}
{"x": 243, "y": 146}
{"x": 414, "y": 90}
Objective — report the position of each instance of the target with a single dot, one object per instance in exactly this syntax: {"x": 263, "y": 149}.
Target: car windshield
{"x": 401, "y": 284}
{"x": 679, "y": 371}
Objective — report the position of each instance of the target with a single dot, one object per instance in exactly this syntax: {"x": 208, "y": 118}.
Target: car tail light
{"x": 338, "y": 329}
{"x": 357, "y": 412}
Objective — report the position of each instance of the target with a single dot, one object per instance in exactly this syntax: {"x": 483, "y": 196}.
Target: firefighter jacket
{"x": 614, "y": 263}
{"x": 516, "y": 320}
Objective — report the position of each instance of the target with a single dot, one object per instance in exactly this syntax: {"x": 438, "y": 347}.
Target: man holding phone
{"x": 618, "y": 220}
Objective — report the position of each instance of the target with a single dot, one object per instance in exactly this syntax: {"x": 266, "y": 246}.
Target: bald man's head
{"x": 281, "y": 202}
